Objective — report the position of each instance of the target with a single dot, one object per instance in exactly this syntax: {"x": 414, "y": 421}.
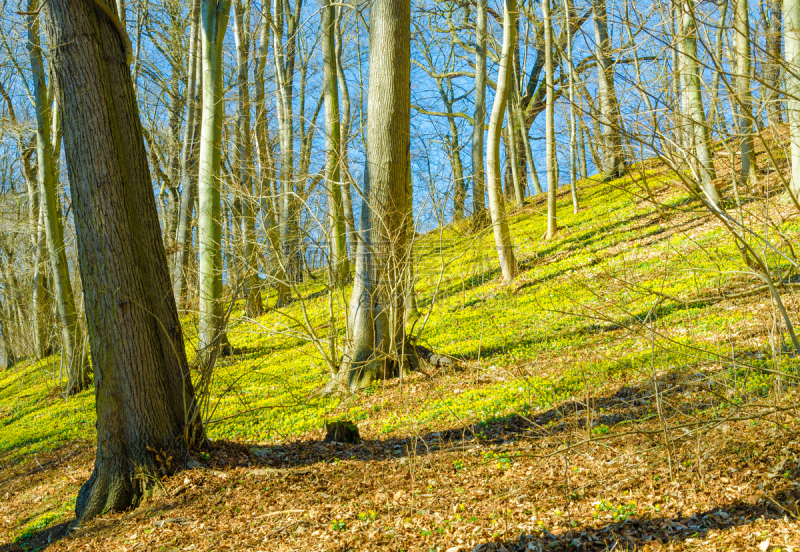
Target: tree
{"x": 183, "y": 238}
{"x": 613, "y": 163}
{"x": 266, "y": 160}
{"x": 694, "y": 101}
{"x": 497, "y": 210}
{"x": 772, "y": 75}
{"x": 479, "y": 119}
{"x": 339, "y": 263}
{"x": 791, "y": 40}
{"x": 550, "y": 135}
{"x": 741, "y": 26}
{"x": 144, "y": 396}
{"x": 214, "y": 16}
{"x": 72, "y": 343}
{"x": 376, "y": 318}
{"x": 243, "y": 155}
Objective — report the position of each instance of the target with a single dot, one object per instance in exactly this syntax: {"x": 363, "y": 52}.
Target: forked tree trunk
{"x": 214, "y": 16}
{"x": 479, "y": 119}
{"x": 144, "y": 395}
{"x": 497, "y": 209}
{"x": 377, "y": 348}
{"x": 72, "y": 344}
{"x": 338, "y": 262}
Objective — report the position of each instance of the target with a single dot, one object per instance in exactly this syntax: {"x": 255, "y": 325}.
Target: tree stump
{"x": 342, "y": 432}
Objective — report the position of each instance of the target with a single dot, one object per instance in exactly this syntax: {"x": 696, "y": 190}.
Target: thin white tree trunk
{"x": 497, "y": 209}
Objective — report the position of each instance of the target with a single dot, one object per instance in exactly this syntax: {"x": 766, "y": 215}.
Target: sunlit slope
{"x": 592, "y": 306}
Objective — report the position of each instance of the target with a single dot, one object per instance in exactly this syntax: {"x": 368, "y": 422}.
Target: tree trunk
{"x": 772, "y": 77}
{"x": 338, "y": 262}
{"x": 183, "y": 238}
{"x": 344, "y": 162}
{"x": 550, "y": 135}
{"x": 497, "y": 210}
{"x": 791, "y": 30}
{"x": 696, "y": 112}
{"x": 144, "y": 395}
{"x": 479, "y": 119}
{"x": 378, "y": 348}
{"x": 243, "y": 165}
{"x": 73, "y": 348}
{"x": 613, "y": 162}
{"x": 214, "y": 22}
{"x": 741, "y": 26}
{"x": 267, "y": 164}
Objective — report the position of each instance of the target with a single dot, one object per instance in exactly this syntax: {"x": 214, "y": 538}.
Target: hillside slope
{"x": 594, "y": 404}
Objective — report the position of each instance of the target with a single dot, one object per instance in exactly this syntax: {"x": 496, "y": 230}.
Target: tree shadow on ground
{"x": 39, "y": 540}
{"x": 628, "y": 405}
{"x": 634, "y": 533}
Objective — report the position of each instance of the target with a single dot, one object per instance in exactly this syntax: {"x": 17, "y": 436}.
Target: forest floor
{"x": 594, "y": 406}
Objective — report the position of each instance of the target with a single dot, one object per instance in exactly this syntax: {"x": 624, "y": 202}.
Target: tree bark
{"x": 267, "y": 165}
{"x": 741, "y": 26}
{"x": 338, "y": 262}
{"x": 772, "y": 75}
{"x": 183, "y": 238}
{"x": 243, "y": 165}
{"x": 214, "y": 15}
{"x": 550, "y": 135}
{"x": 73, "y": 348}
{"x": 344, "y": 163}
{"x": 613, "y": 162}
{"x": 378, "y": 348}
{"x": 791, "y": 30}
{"x": 695, "y": 110}
{"x": 497, "y": 210}
{"x": 144, "y": 396}
{"x": 479, "y": 119}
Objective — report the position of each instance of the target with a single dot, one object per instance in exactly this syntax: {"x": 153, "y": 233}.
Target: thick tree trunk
{"x": 378, "y": 348}
{"x": 479, "y": 119}
{"x": 214, "y": 17}
{"x": 72, "y": 343}
{"x": 338, "y": 261}
{"x": 144, "y": 395}
{"x": 497, "y": 209}
{"x": 284, "y": 72}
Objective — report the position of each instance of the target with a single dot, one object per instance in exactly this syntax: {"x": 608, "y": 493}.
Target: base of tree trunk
{"x": 358, "y": 375}
{"x": 480, "y": 220}
{"x": 344, "y": 431}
